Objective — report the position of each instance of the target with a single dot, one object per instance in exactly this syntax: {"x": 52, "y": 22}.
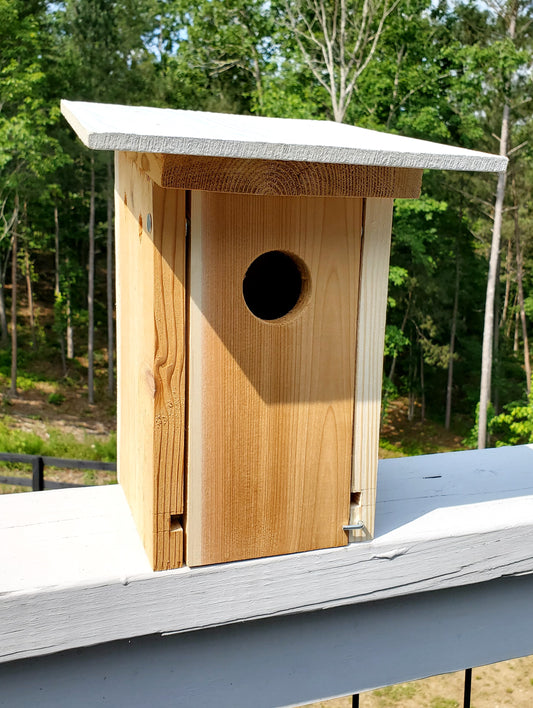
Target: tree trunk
{"x": 70, "y": 327}
{"x": 110, "y": 299}
{"x": 14, "y": 347}
{"x": 412, "y": 378}
{"x": 488, "y": 327}
{"x": 402, "y": 330}
{"x": 511, "y": 317}
{"x": 520, "y": 283}
{"x": 451, "y": 351}
{"x": 90, "y": 296}
{"x": 496, "y": 366}
{"x": 57, "y": 290}
{"x": 3, "y": 315}
{"x": 29, "y": 290}
{"x": 422, "y": 389}
{"x": 508, "y": 270}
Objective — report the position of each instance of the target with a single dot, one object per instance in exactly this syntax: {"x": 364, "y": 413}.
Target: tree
{"x": 510, "y": 60}
{"x": 27, "y": 153}
{"x": 337, "y": 41}
{"x": 105, "y": 47}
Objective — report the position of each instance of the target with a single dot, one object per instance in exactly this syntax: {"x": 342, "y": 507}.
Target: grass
{"x": 395, "y": 694}
{"x": 440, "y": 702}
{"x": 56, "y": 444}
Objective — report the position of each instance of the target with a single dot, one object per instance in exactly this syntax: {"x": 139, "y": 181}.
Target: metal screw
{"x": 149, "y": 223}
{"x": 354, "y": 527}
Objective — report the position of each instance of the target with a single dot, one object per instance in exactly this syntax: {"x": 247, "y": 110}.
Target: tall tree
{"x": 337, "y": 41}
{"x": 510, "y": 59}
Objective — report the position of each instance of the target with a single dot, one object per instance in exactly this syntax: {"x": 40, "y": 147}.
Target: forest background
{"x": 457, "y": 73}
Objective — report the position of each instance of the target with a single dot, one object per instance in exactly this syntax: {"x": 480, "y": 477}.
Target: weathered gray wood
{"x": 162, "y": 130}
{"x": 74, "y": 572}
{"x": 287, "y": 661}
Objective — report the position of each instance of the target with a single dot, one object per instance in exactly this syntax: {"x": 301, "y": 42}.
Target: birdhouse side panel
{"x": 377, "y": 226}
{"x": 150, "y": 244}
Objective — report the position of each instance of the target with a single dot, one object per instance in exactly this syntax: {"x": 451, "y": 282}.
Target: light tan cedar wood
{"x": 151, "y": 357}
{"x": 377, "y": 224}
{"x": 270, "y": 403}
{"x": 279, "y": 177}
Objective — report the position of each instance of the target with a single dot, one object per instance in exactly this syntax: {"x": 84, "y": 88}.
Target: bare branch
{"x": 518, "y": 147}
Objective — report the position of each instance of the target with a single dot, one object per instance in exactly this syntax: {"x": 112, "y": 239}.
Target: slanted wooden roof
{"x": 178, "y": 132}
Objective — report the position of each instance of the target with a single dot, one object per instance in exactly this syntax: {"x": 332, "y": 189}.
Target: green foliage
{"x": 515, "y": 425}
{"x": 395, "y": 340}
{"x": 56, "y": 399}
{"x": 471, "y": 440}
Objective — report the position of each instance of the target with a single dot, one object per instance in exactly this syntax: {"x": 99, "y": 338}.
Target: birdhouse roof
{"x": 179, "y": 132}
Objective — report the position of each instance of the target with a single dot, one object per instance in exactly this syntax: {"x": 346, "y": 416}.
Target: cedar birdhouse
{"x": 252, "y": 267}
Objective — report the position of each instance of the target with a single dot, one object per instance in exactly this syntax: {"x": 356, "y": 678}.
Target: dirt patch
{"x": 32, "y": 411}
{"x": 414, "y": 437}
{"x": 509, "y": 683}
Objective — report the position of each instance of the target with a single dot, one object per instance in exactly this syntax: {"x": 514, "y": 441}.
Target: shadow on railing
{"x": 39, "y": 462}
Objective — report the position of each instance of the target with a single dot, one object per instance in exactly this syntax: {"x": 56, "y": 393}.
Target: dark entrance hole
{"x": 274, "y": 284}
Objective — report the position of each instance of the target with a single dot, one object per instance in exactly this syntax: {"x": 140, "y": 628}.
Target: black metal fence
{"x": 39, "y": 462}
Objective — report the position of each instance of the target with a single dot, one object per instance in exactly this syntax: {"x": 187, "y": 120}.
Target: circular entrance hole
{"x": 274, "y": 284}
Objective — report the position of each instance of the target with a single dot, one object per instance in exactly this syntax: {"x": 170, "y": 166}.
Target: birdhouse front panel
{"x": 272, "y": 339}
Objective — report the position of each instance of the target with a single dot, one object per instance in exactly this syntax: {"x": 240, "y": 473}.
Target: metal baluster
{"x": 37, "y": 482}
{"x": 468, "y": 688}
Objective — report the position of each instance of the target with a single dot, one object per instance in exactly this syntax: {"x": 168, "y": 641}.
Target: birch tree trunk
{"x": 90, "y": 296}
{"x": 488, "y": 327}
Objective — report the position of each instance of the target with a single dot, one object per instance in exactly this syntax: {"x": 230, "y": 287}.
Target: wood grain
{"x": 371, "y": 339}
{"x": 150, "y": 228}
{"x": 270, "y": 403}
{"x": 279, "y": 177}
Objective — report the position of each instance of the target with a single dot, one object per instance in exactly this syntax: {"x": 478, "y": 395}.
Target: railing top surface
{"x": 74, "y": 572}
